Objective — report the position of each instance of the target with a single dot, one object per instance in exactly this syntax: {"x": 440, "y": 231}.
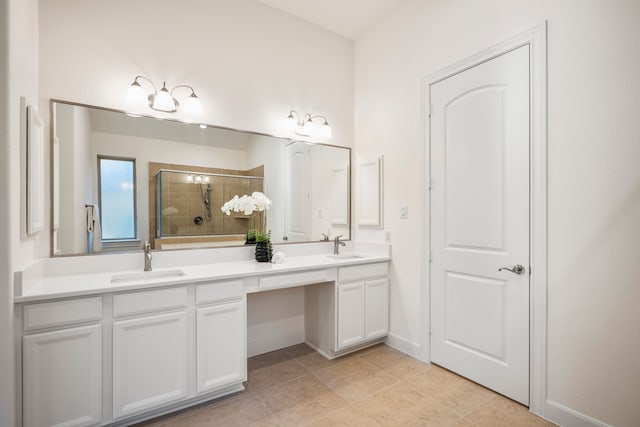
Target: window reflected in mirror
{"x": 117, "y": 190}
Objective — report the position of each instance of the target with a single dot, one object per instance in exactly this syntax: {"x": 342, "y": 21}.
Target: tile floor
{"x": 378, "y": 386}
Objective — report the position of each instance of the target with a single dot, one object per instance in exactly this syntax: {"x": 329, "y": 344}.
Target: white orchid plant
{"x": 256, "y": 202}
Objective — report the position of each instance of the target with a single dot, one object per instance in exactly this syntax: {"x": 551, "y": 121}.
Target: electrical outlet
{"x": 404, "y": 211}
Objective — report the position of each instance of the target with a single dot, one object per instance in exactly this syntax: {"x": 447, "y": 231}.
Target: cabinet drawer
{"x": 62, "y": 313}
{"x": 219, "y": 291}
{"x": 293, "y": 279}
{"x": 147, "y": 301}
{"x": 358, "y": 272}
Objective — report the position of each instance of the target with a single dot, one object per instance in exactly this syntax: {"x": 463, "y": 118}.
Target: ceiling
{"x": 348, "y": 18}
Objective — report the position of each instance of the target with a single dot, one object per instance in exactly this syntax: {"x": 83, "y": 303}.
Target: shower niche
{"x": 187, "y": 205}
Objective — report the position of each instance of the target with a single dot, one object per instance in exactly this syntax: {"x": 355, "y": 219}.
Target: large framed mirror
{"x": 119, "y": 179}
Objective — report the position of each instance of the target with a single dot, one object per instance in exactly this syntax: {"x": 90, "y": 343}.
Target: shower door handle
{"x": 516, "y": 269}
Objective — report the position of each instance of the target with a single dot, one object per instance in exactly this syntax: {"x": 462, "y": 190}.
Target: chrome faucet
{"x": 147, "y": 255}
{"x": 336, "y": 245}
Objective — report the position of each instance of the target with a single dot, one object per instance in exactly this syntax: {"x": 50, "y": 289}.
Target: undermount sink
{"x": 345, "y": 256}
{"x": 146, "y": 275}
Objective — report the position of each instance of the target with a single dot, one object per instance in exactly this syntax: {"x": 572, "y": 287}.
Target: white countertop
{"x": 48, "y": 287}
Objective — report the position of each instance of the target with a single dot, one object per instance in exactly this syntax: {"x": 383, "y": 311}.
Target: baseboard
{"x": 276, "y": 342}
{"x": 404, "y": 345}
{"x": 567, "y": 417}
{"x": 134, "y": 419}
{"x": 353, "y": 349}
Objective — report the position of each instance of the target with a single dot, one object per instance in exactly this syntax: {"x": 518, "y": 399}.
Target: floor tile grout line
{"x": 262, "y": 389}
{"x": 442, "y": 405}
{"x": 480, "y": 404}
{"x": 283, "y": 382}
{"x": 273, "y": 416}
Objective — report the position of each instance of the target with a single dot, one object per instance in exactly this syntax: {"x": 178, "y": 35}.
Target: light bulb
{"x": 325, "y": 131}
{"x": 198, "y": 178}
{"x": 189, "y": 178}
{"x": 192, "y": 106}
{"x": 136, "y": 97}
{"x": 309, "y": 128}
{"x": 163, "y": 101}
{"x": 290, "y": 124}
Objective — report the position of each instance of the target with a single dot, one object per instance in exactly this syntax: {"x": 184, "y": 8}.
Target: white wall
{"x": 593, "y": 174}
{"x": 7, "y": 382}
{"x": 18, "y": 77}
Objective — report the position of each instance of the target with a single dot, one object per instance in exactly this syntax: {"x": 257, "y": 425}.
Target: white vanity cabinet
{"x": 363, "y": 304}
{"x": 119, "y": 354}
{"x": 358, "y": 313}
{"x": 221, "y": 353}
{"x": 150, "y": 351}
{"x": 62, "y": 363}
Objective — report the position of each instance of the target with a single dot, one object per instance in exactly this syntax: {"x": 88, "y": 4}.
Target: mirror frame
{"x": 114, "y": 110}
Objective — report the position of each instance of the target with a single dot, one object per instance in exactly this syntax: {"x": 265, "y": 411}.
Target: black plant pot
{"x": 263, "y": 252}
{"x": 250, "y": 241}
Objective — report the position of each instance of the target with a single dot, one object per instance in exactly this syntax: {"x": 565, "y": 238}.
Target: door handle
{"x": 516, "y": 269}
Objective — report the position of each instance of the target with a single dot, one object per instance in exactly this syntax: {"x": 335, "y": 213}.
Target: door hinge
{"x": 429, "y": 110}
{"x": 430, "y": 256}
{"x": 430, "y": 183}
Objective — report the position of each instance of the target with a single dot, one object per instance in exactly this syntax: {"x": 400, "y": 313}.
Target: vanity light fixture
{"x": 307, "y": 126}
{"x": 162, "y": 100}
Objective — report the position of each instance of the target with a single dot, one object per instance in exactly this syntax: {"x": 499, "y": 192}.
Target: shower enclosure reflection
{"x": 187, "y": 207}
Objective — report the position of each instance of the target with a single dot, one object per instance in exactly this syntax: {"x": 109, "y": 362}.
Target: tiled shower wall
{"x": 183, "y": 200}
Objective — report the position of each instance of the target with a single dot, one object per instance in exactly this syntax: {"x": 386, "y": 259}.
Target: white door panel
{"x": 150, "y": 364}
{"x": 221, "y": 346}
{"x": 376, "y": 308}
{"x": 296, "y": 192}
{"x": 482, "y": 186}
{"x": 351, "y": 314}
{"x": 480, "y": 222}
{"x": 63, "y": 377}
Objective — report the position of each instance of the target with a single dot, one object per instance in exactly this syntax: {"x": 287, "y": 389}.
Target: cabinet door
{"x": 377, "y": 309}
{"x": 221, "y": 346}
{"x": 149, "y": 362}
{"x": 63, "y": 377}
{"x": 351, "y": 314}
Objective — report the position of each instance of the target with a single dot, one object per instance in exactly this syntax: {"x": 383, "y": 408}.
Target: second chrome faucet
{"x": 336, "y": 245}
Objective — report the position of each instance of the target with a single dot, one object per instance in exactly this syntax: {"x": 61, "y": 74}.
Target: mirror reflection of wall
{"x": 84, "y": 134}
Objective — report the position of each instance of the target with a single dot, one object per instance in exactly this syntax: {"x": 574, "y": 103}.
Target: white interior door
{"x": 480, "y": 223}
{"x": 296, "y": 172}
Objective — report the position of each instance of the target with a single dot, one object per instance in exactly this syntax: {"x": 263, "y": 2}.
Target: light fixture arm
{"x": 193, "y": 92}
{"x": 326, "y": 122}
{"x": 135, "y": 82}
